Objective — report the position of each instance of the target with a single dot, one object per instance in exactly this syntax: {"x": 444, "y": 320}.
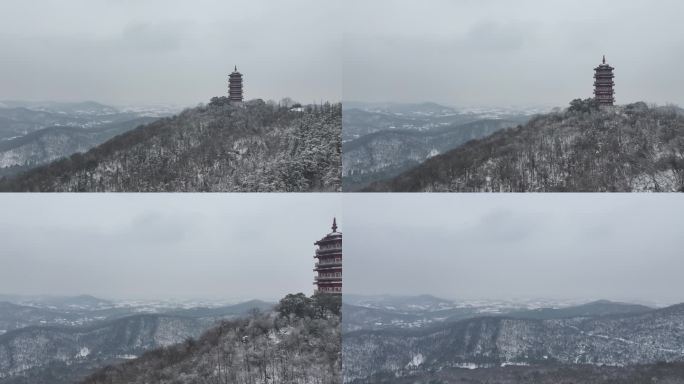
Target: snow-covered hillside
{"x": 622, "y": 148}
{"x": 218, "y": 147}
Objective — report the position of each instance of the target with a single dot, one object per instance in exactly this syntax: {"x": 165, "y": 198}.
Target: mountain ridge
{"x": 217, "y": 147}
{"x": 47, "y": 346}
{"x": 622, "y": 148}
{"x": 388, "y": 153}
{"x": 618, "y": 339}
{"x": 298, "y": 343}
{"x": 28, "y": 350}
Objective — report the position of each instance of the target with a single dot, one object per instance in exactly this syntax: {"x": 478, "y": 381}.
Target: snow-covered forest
{"x": 257, "y": 146}
{"x": 299, "y": 343}
{"x": 618, "y": 335}
{"x": 584, "y": 148}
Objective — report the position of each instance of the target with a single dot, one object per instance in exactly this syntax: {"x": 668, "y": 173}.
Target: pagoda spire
{"x": 235, "y": 87}
{"x": 603, "y": 84}
{"x": 328, "y": 267}
{"x": 235, "y": 69}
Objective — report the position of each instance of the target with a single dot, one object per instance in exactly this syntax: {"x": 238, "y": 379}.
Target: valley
{"x": 481, "y": 344}
{"x": 381, "y": 141}
{"x": 36, "y": 133}
{"x": 62, "y": 339}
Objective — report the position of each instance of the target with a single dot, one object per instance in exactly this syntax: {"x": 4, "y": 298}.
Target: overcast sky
{"x": 159, "y": 246}
{"x": 563, "y": 246}
{"x": 500, "y": 52}
{"x": 168, "y": 51}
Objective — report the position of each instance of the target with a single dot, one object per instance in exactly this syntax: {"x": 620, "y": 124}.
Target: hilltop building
{"x": 329, "y": 262}
{"x": 235, "y": 86}
{"x": 603, "y": 84}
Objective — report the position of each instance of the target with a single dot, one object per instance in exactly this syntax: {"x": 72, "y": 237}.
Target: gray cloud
{"x": 128, "y": 52}
{"x": 161, "y": 246}
{"x": 621, "y": 247}
{"x": 149, "y": 37}
{"x": 488, "y": 35}
{"x": 510, "y": 53}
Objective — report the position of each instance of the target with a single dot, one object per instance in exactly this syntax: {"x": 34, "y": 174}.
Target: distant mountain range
{"x": 23, "y": 311}
{"x": 424, "y": 311}
{"x": 360, "y": 119}
{"x": 61, "y": 339}
{"x": 385, "y": 154}
{"x": 223, "y": 311}
{"x": 594, "y": 308}
{"x": 358, "y": 317}
{"x": 597, "y": 333}
{"x": 35, "y": 133}
{"x": 623, "y": 148}
{"x": 409, "y": 109}
{"x": 382, "y": 140}
{"x": 52, "y": 143}
{"x": 84, "y": 108}
{"x": 218, "y": 147}
{"x": 57, "y": 302}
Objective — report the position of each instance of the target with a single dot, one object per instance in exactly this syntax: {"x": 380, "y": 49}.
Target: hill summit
{"x": 583, "y": 148}
{"x": 250, "y": 147}
{"x": 298, "y": 343}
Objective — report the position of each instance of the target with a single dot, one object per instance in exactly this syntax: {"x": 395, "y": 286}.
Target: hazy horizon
{"x": 231, "y": 247}
{"x": 122, "y": 299}
{"x": 499, "y": 53}
{"x": 452, "y": 105}
{"x": 169, "y": 52}
{"x": 566, "y": 301}
{"x": 481, "y": 246}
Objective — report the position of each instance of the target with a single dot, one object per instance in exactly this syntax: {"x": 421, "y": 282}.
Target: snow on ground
{"x": 127, "y": 357}
{"x": 513, "y": 364}
{"x": 416, "y": 361}
{"x": 433, "y": 152}
{"x": 84, "y": 352}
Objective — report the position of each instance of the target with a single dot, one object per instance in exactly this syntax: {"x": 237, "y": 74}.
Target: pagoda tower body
{"x": 235, "y": 87}
{"x": 328, "y": 265}
{"x": 603, "y": 84}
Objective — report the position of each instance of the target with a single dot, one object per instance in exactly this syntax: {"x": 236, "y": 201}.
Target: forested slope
{"x": 299, "y": 344}
{"x": 218, "y": 147}
{"x": 388, "y": 153}
{"x": 622, "y": 148}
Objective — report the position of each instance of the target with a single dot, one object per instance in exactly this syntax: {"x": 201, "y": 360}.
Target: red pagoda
{"x": 603, "y": 84}
{"x": 235, "y": 86}
{"x": 329, "y": 262}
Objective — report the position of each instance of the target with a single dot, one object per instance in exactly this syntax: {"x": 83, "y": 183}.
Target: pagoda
{"x": 329, "y": 262}
{"x": 235, "y": 86}
{"x": 603, "y": 84}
